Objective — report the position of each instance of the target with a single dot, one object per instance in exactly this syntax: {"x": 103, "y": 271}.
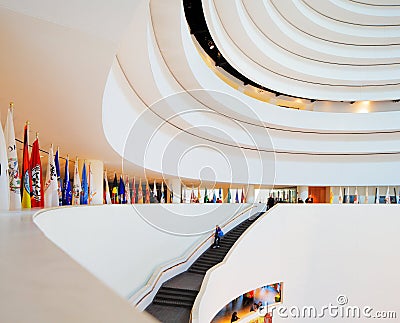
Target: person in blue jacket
{"x": 217, "y": 236}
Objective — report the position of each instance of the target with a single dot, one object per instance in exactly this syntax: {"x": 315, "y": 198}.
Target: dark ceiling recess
{"x": 198, "y": 28}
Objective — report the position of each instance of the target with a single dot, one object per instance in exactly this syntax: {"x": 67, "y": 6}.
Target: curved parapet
{"x": 124, "y": 245}
{"x": 313, "y": 250}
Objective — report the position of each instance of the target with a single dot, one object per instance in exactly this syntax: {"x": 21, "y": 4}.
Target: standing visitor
{"x": 217, "y": 236}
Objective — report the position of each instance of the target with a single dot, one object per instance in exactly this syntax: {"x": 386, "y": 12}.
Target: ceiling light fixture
{"x": 210, "y": 44}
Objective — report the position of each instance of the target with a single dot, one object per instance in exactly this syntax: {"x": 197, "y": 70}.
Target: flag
{"x": 205, "y": 196}
{"x": 184, "y": 194}
{"x": 104, "y": 191}
{"x": 330, "y": 195}
{"x": 347, "y": 195}
{"x": 198, "y": 194}
{"x": 85, "y": 186}
{"x": 237, "y": 196}
{"x": 340, "y": 195}
{"x": 220, "y": 193}
{"x": 192, "y": 196}
{"x": 377, "y": 196}
{"x": 155, "y": 191}
{"x": 121, "y": 191}
{"x": 127, "y": 191}
{"x": 229, "y": 196}
{"x": 107, "y": 189}
{"x": 147, "y": 198}
{"x": 140, "y": 193}
{"x": 366, "y": 195}
{"x": 243, "y": 199}
{"x": 162, "y": 193}
{"x": 92, "y": 191}
{"x": 4, "y": 180}
{"x": 76, "y": 188}
{"x": 26, "y": 172}
{"x": 114, "y": 190}
{"x": 214, "y": 197}
{"x": 51, "y": 184}
{"x": 13, "y": 171}
{"x": 133, "y": 199}
{"x": 37, "y": 177}
{"x": 67, "y": 193}
{"x": 387, "y": 197}
{"x": 398, "y": 201}
{"x": 356, "y": 201}
{"x": 59, "y": 181}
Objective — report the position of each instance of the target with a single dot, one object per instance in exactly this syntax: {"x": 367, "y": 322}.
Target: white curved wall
{"x": 159, "y": 146}
{"x": 319, "y": 252}
{"x": 124, "y": 245}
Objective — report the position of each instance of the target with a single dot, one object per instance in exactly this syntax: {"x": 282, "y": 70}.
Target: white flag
{"x": 4, "y": 182}
{"x": 108, "y": 196}
{"x": 398, "y": 199}
{"x": 77, "y": 188}
{"x": 366, "y": 195}
{"x": 377, "y": 196}
{"x": 162, "y": 193}
{"x": 51, "y": 184}
{"x": 387, "y": 198}
{"x": 340, "y": 195}
{"x": 155, "y": 190}
{"x": 127, "y": 191}
{"x": 92, "y": 188}
{"x": 13, "y": 172}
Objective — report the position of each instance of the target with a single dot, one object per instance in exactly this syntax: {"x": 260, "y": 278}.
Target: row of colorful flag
{"x": 29, "y": 189}
{"x": 344, "y": 196}
{"x": 213, "y": 198}
{"x": 121, "y": 192}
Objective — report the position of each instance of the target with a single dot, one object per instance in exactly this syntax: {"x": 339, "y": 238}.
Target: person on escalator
{"x": 234, "y": 317}
{"x": 217, "y": 236}
{"x": 309, "y": 199}
{"x": 270, "y": 202}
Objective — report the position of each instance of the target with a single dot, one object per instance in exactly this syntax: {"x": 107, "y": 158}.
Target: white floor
{"x": 40, "y": 283}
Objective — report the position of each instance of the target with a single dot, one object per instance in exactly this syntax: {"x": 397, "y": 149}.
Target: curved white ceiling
{"x": 68, "y": 58}
{"x": 178, "y": 105}
{"x": 329, "y": 50}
